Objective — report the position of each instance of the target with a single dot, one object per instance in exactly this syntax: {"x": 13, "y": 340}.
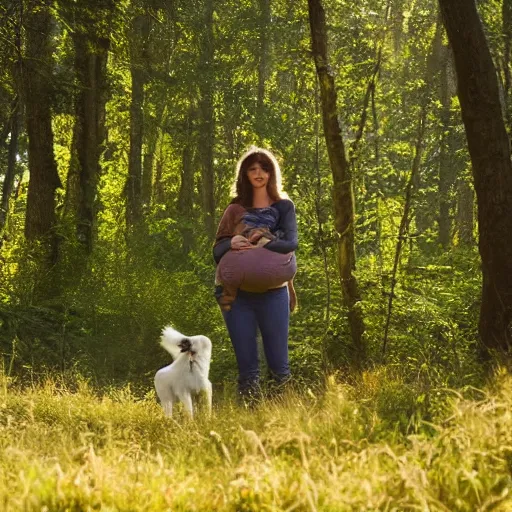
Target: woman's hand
{"x": 256, "y": 234}
{"x": 262, "y": 242}
{"x": 240, "y": 243}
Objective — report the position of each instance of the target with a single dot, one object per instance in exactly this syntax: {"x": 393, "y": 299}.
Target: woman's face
{"x": 258, "y": 177}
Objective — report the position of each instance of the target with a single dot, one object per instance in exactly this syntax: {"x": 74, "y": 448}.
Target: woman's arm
{"x": 224, "y": 234}
{"x": 221, "y": 248}
{"x": 226, "y": 238}
{"x": 288, "y": 241}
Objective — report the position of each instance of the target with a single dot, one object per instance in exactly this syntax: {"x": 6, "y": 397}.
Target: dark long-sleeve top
{"x": 285, "y": 241}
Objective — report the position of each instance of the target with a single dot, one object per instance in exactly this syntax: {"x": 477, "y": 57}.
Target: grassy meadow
{"x": 70, "y": 447}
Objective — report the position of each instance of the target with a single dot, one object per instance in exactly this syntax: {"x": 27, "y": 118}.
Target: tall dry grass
{"x": 63, "y": 450}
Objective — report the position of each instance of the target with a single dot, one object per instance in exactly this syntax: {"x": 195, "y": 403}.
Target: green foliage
{"x": 102, "y": 312}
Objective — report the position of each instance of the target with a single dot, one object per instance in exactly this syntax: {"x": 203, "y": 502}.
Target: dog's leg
{"x": 186, "y": 400}
{"x": 167, "y": 407}
{"x": 209, "y": 398}
{"x": 163, "y": 390}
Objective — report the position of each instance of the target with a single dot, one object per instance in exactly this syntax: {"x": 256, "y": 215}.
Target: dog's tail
{"x": 170, "y": 340}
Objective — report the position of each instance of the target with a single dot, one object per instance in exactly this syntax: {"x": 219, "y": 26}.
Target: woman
{"x": 258, "y": 231}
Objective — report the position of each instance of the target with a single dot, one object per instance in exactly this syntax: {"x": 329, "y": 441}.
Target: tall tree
{"x": 489, "y": 148}
{"x": 341, "y": 173}
{"x": 186, "y": 192}
{"x": 447, "y": 169}
{"x": 11, "y": 60}
{"x": 139, "y": 34}
{"x": 152, "y": 134}
{"x": 37, "y": 80}
{"x": 91, "y": 43}
{"x": 506, "y": 13}
{"x": 10, "y": 174}
{"x": 207, "y": 128}
{"x": 405, "y": 220}
{"x": 423, "y": 215}
{"x": 465, "y": 216}
{"x": 263, "y": 63}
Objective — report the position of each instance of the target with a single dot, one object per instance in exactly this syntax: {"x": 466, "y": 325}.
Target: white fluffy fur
{"x": 187, "y": 375}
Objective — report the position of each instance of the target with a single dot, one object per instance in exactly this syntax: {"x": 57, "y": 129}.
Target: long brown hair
{"x": 242, "y": 188}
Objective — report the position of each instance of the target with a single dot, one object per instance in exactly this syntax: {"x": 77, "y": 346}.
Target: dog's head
{"x": 184, "y": 345}
{"x": 196, "y": 348}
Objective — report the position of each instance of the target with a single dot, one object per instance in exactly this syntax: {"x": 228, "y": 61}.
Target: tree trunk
{"x": 207, "y": 128}
{"x": 405, "y": 221}
{"x": 88, "y": 136}
{"x": 138, "y": 43}
{"x": 158, "y": 186}
{"x": 149, "y": 155}
{"x": 186, "y": 198}
{"x": 342, "y": 179}
{"x": 465, "y": 217}
{"x": 506, "y": 13}
{"x": 378, "y": 221}
{"x": 489, "y": 148}
{"x": 320, "y": 218}
{"x": 73, "y": 176}
{"x": 10, "y": 173}
{"x": 37, "y": 77}
{"x": 147, "y": 167}
{"x": 424, "y": 214}
{"x": 186, "y": 192}
{"x": 447, "y": 172}
{"x": 264, "y": 29}
{"x": 8, "y": 125}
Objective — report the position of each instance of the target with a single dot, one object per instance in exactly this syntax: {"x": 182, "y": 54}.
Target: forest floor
{"x": 75, "y": 448}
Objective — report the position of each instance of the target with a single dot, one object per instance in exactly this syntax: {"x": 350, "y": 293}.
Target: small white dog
{"x": 188, "y": 374}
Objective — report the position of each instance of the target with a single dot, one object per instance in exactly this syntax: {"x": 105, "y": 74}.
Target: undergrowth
{"x": 74, "y": 448}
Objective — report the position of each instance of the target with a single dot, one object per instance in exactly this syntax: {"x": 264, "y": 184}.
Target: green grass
{"x": 338, "y": 450}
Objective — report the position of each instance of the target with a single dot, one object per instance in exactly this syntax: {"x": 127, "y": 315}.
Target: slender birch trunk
{"x": 342, "y": 178}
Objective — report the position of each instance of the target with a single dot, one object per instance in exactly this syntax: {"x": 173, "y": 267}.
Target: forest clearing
{"x": 349, "y": 448}
{"x": 362, "y": 146}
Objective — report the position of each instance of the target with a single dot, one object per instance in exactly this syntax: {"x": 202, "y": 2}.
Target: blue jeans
{"x": 269, "y": 312}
